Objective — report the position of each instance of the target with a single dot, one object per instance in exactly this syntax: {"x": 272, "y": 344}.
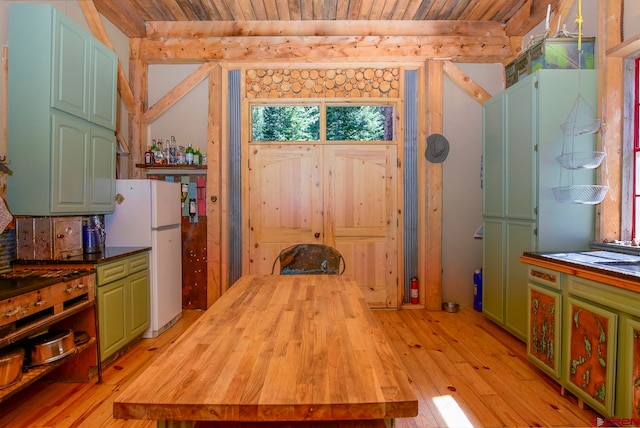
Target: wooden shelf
{"x": 32, "y": 374}
{"x": 39, "y": 325}
{"x": 170, "y": 167}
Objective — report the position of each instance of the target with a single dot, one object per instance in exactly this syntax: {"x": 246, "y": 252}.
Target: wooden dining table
{"x": 274, "y": 348}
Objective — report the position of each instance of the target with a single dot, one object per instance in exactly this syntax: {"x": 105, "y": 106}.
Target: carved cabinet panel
{"x": 628, "y": 381}
{"x": 543, "y": 344}
{"x": 590, "y": 354}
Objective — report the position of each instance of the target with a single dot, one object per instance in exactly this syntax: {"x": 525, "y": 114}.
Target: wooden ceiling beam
{"x": 327, "y": 49}
{"x": 323, "y": 28}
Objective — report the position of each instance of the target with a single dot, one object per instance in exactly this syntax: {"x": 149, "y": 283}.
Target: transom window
{"x": 322, "y": 121}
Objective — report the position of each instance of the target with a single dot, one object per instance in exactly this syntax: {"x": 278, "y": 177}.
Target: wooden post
{"x": 610, "y": 89}
{"x": 213, "y": 198}
{"x": 430, "y": 264}
{"x": 138, "y": 76}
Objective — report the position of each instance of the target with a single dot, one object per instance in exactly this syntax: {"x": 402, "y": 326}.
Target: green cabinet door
{"x": 70, "y": 152}
{"x": 493, "y": 157}
{"x": 112, "y": 303}
{"x": 102, "y": 170}
{"x": 140, "y": 310}
{"x": 493, "y": 253}
{"x": 520, "y": 160}
{"x": 70, "y": 68}
{"x": 103, "y": 79}
{"x": 520, "y": 238}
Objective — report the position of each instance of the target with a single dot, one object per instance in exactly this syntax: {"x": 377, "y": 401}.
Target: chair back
{"x": 303, "y": 259}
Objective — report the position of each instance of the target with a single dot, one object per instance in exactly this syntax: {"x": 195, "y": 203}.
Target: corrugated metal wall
{"x": 410, "y": 180}
{"x": 235, "y": 182}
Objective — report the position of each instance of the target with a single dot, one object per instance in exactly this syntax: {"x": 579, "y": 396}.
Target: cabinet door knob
{"x": 317, "y": 235}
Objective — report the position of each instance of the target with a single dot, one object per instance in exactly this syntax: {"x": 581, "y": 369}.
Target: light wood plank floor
{"x": 466, "y": 371}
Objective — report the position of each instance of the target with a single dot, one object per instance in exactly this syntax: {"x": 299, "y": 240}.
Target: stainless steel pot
{"x": 52, "y": 346}
{"x": 11, "y": 359}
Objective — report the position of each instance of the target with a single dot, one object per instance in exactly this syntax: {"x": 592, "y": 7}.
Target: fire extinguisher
{"x": 414, "y": 290}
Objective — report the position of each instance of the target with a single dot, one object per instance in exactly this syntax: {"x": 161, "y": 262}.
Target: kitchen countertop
{"x": 108, "y": 255}
{"x": 608, "y": 267}
{"x": 30, "y": 275}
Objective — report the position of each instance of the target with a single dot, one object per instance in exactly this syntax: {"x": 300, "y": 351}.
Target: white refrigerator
{"x": 148, "y": 214}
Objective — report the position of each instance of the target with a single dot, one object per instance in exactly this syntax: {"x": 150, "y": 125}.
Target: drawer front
{"x": 613, "y": 297}
{"x": 51, "y": 299}
{"x": 543, "y": 276}
{"x": 138, "y": 262}
{"x": 113, "y": 271}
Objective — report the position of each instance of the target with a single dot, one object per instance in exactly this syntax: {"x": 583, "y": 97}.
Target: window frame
{"x": 323, "y": 103}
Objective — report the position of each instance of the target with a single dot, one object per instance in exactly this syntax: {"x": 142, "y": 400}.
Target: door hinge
{"x": 535, "y": 231}
{"x": 535, "y": 85}
{"x": 535, "y": 210}
{"x": 535, "y": 147}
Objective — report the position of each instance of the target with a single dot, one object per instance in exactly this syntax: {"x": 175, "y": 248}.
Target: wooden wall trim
{"x": 610, "y": 86}
{"x": 430, "y": 241}
{"x": 476, "y": 49}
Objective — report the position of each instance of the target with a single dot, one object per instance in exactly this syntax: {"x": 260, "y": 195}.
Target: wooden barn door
{"x": 343, "y": 196}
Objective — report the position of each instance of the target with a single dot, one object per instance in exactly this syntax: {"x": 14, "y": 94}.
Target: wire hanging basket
{"x": 581, "y": 160}
{"x": 589, "y": 194}
{"x": 581, "y": 120}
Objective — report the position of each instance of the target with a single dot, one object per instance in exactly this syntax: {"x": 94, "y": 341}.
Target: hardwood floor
{"x": 466, "y": 372}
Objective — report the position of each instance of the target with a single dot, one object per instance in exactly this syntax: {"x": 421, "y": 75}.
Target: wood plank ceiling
{"x": 140, "y": 18}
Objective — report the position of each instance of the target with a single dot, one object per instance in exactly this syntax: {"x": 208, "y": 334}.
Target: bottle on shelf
{"x": 197, "y": 156}
{"x": 148, "y": 155}
{"x": 172, "y": 150}
{"x": 189, "y": 155}
{"x": 159, "y": 153}
{"x": 167, "y": 152}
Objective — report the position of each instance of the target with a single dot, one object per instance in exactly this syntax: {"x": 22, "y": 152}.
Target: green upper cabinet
{"x": 62, "y": 99}
{"x": 84, "y": 74}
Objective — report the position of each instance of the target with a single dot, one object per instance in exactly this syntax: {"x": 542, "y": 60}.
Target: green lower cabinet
{"x": 545, "y": 322}
{"x": 590, "y": 354}
{"x": 124, "y": 302}
{"x": 628, "y": 384}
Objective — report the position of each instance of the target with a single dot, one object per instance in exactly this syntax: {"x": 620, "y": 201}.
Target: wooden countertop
{"x": 603, "y": 275}
{"x": 275, "y": 348}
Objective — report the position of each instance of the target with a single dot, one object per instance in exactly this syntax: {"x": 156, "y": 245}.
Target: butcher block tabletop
{"x": 276, "y": 348}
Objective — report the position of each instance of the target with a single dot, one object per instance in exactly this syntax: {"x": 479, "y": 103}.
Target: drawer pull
{"x": 11, "y": 312}
{"x": 68, "y": 290}
{"x": 40, "y": 302}
{"x": 80, "y": 286}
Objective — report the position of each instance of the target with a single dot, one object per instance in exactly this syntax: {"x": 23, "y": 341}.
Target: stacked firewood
{"x": 323, "y": 83}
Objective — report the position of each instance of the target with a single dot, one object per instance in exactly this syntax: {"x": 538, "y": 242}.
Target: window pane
{"x": 285, "y": 123}
{"x": 360, "y": 123}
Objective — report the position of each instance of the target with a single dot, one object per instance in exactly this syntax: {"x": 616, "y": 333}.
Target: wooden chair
{"x": 305, "y": 259}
